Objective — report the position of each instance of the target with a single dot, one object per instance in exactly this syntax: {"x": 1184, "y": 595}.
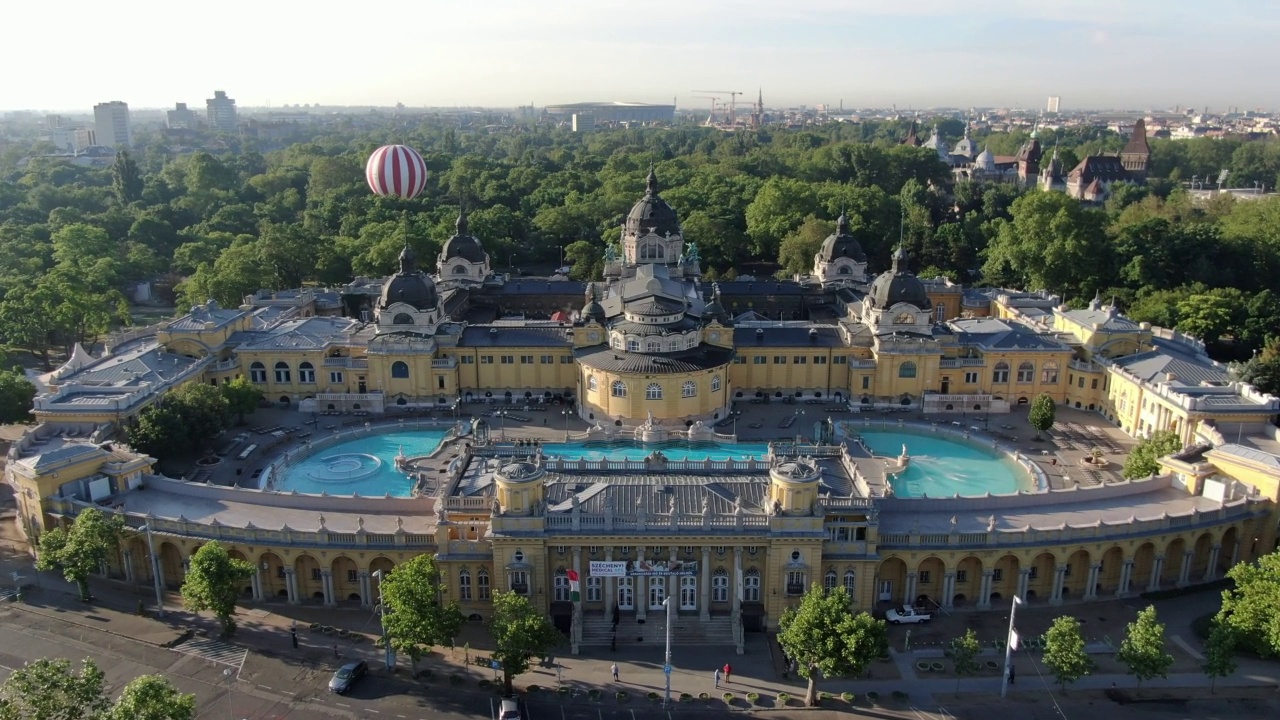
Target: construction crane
{"x": 733, "y": 100}
{"x": 711, "y": 120}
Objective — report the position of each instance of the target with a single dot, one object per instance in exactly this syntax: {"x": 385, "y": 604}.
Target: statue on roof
{"x": 610, "y": 254}
{"x": 691, "y": 254}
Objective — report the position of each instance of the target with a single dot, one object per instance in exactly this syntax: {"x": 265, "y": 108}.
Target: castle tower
{"x": 1136, "y": 154}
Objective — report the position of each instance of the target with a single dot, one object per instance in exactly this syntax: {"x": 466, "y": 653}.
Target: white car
{"x": 906, "y": 614}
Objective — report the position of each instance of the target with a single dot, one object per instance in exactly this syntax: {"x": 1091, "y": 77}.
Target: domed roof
{"x": 966, "y": 146}
{"x": 652, "y": 212}
{"x": 898, "y": 285}
{"x": 593, "y": 310}
{"x": 410, "y": 285}
{"x": 463, "y": 244}
{"x": 714, "y": 310}
{"x": 985, "y": 160}
{"x": 842, "y": 244}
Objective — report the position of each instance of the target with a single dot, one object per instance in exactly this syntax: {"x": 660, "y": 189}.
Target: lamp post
{"x": 666, "y": 664}
{"x": 155, "y": 569}
{"x": 382, "y": 618}
{"x": 1010, "y": 641}
{"x": 565, "y": 412}
{"x": 799, "y": 415}
{"x": 502, "y": 415}
{"x": 226, "y": 673}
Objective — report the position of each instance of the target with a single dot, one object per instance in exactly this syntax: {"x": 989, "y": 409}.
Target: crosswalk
{"x": 214, "y": 651}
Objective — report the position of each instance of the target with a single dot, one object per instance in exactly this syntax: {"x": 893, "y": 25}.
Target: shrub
{"x": 872, "y": 696}
{"x": 704, "y": 696}
{"x": 686, "y": 698}
{"x": 313, "y": 627}
{"x": 937, "y": 666}
{"x": 621, "y": 695}
{"x": 783, "y": 698}
{"x": 753, "y": 698}
{"x": 899, "y": 695}
{"x": 728, "y": 697}
{"x": 849, "y": 697}
{"x": 923, "y": 666}
{"x": 593, "y": 693}
{"x": 653, "y": 696}
{"x": 485, "y": 683}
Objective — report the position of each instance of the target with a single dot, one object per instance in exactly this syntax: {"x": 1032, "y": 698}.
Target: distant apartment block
{"x": 1052, "y": 105}
{"x": 583, "y": 122}
{"x": 182, "y": 118}
{"x": 111, "y": 124}
{"x": 221, "y": 112}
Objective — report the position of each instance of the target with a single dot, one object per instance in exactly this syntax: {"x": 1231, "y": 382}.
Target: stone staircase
{"x": 597, "y": 630}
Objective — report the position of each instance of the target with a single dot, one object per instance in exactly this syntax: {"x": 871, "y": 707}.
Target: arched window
{"x": 560, "y": 586}
{"x": 619, "y": 388}
{"x": 633, "y": 345}
{"x": 715, "y": 383}
{"x": 653, "y": 346}
{"x": 850, "y": 582}
{"x": 306, "y": 373}
{"x": 402, "y": 319}
{"x": 1026, "y": 372}
{"x": 464, "y": 584}
{"x": 282, "y": 372}
{"x": 257, "y": 373}
{"x": 689, "y": 389}
{"x": 617, "y": 342}
{"x": 720, "y": 586}
{"x": 653, "y": 392}
{"x": 592, "y": 385}
{"x": 399, "y": 369}
{"x": 1001, "y": 373}
{"x": 482, "y": 583}
{"x": 907, "y": 370}
{"x": 751, "y": 586}
{"x": 1049, "y": 373}
{"x": 829, "y": 581}
{"x": 460, "y": 270}
{"x": 844, "y": 270}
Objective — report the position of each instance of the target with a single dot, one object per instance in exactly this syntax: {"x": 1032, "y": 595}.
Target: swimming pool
{"x": 673, "y": 449}
{"x": 942, "y": 467}
{"x": 365, "y": 465}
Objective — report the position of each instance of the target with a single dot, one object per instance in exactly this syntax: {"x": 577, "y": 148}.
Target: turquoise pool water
{"x": 365, "y": 465}
{"x": 673, "y": 449}
{"x": 941, "y": 467}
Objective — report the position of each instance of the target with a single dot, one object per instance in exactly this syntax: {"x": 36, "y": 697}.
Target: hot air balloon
{"x": 396, "y": 170}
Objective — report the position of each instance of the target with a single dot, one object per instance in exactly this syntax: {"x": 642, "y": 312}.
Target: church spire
{"x": 652, "y": 182}
{"x": 461, "y": 224}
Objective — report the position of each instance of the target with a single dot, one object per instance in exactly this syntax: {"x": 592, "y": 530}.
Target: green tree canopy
{"x": 1249, "y": 608}
{"x": 1219, "y": 653}
{"x": 1142, "y": 650}
{"x": 242, "y": 398}
{"x": 1064, "y": 654}
{"x": 825, "y": 636}
{"x": 519, "y": 632}
{"x": 16, "y": 395}
{"x": 1042, "y": 413}
{"x": 51, "y": 690}
{"x": 1142, "y": 460}
{"x": 214, "y": 581}
{"x": 92, "y": 539}
{"x": 152, "y": 697}
{"x": 416, "y": 618}
{"x": 963, "y": 653}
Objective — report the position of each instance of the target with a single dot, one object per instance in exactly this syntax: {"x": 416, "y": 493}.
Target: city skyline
{"x": 1142, "y": 55}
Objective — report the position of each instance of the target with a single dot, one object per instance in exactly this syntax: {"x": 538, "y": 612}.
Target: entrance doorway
{"x": 626, "y": 595}
{"x": 689, "y": 593}
{"x": 886, "y": 589}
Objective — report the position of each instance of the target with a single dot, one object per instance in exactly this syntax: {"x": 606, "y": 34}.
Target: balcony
{"x": 346, "y": 362}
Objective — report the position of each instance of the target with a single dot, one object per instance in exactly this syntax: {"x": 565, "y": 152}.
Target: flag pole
{"x": 1011, "y": 643}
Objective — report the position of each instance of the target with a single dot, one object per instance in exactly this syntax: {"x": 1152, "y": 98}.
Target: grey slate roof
{"x": 821, "y": 336}
{"x": 142, "y": 362}
{"x": 1108, "y": 318}
{"x": 514, "y": 336}
{"x": 1187, "y": 367}
{"x": 66, "y": 455}
{"x": 998, "y": 334}
{"x": 704, "y": 357}
{"x": 1250, "y": 454}
{"x": 200, "y": 314}
{"x": 305, "y": 334}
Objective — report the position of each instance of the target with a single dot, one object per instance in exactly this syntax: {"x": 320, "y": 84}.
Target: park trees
{"x": 1142, "y": 650}
{"x": 963, "y": 653}
{"x": 81, "y": 550}
{"x": 52, "y": 690}
{"x": 1064, "y": 654}
{"x": 16, "y": 396}
{"x": 213, "y": 582}
{"x": 520, "y": 633}
{"x": 152, "y": 697}
{"x": 1142, "y": 460}
{"x": 415, "y": 615}
{"x": 1042, "y": 412}
{"x": 1249, "y": 608}
{"x": 1052, "y": 242}
{"x": 796, "y": 252}
{"x": 825, "y": 636}
{"x": 185, "y": 420}
{"x": 242, "y": 398}
{"x": 1219, "y": 653}
{"x": 126, "y": 179}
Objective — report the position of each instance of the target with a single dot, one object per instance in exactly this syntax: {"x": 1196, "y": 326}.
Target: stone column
{"x": 1091, "y": 588}
{"x": 984, "y": 591}
{"x": 1211, "y": 569}
{"x": 1184, "y": 573}
{"x": 737, "y": 579}
{"x": 641, "y": 589}
{"x": 291, "y": 585}
{"x": 1024, "y": 581}
{"x": 610, "y": 592}
{"x": 255, "y": 580}
{"x": 326, "y": 586}
{"x": 704, "y": 584}
{"x": 365, "y": 590}
{"x": 1059, "y": 580}
{"x": 127, "y": 557}
{"x": 1235, "y": 553}
{"x": 1156, "y": 568}
{"x": 1126, "y": 576}
{"x": 948, "y": 591}
{"x": 910, "y": 598}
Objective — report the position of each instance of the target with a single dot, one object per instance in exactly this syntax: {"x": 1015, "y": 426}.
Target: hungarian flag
{"x": 574, "y": 595}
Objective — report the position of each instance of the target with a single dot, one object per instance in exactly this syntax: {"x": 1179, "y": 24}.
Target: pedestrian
{"x": 717, "y": 675}
{"x": 614, "y": 669}
{"x": 335, "y": 651}
{"x": 1012, "y": 674}
{"x": 294, "y": 634}
{"x": 728, "y": 670}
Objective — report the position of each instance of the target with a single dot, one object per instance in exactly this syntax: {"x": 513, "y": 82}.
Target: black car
{"x": 347, "y": 675}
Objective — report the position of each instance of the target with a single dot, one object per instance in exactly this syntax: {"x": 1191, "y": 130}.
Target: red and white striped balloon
{"x": 396, "y": 170}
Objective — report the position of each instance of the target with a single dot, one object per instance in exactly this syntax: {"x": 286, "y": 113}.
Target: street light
{"x": 155, "y": 569}
{"x": 226, "y": 673}
{"x": 799, "y": 414}
{"x": 666, "y": 665}
{"x": 502, "y": 415}
{"x": 382, "y": 618}
{"x": 565, "y": 412}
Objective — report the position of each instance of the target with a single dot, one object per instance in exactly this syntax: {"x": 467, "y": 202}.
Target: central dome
{"x": 842, "y": 244}
{"x": 463, "y": 244}
{"x": 898, "y": 285}
{"x": 410, "y": 285}
{"x": 652, "y": 212}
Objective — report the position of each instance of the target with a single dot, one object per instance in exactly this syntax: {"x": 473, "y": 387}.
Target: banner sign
{"x": 661, "y": 568}
{"x": 607, "y": 568}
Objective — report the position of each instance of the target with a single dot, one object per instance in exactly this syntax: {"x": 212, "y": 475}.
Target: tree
{"x": 1143, "y": 648}
{"x": 1064, "y": 653}
{"x": 1219, "y": 653}
{"x": 126, "y": 180}
{"x": 416, "y": 618}
{"x": 50, "y": 690}
{"x": 1041, "y": 414}
{"x": 1052, "y": 243}
{"x": 213, "y": 582}
{"x": 152, "y": 697}
{"x": 963, "y": 652}
{"x": 1249, "y": 608}
{"x": 242, "y": 398}
{"x": 83, "y": 549}
{"x": 519, "y": 632}
{"x": 796, "y": 252}
{"x": 1206, "y": 316}
{"x": 1142, "y": 460}
{"x": 16, "y": 395}
{"x": 824, "y": 635}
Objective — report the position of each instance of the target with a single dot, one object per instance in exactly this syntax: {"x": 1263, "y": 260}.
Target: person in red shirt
{"x": 728, "y": 669}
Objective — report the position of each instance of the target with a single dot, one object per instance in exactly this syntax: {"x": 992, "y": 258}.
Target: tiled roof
{"x": 998, "y": 334}
{"x": 201, "y": 314}
{"x": 704, "y": 357}
{"x": 1187, "y": 368}
{"x": 305, "y": 334}
{"x": 1248, "y": 453}
{"x": 143, "y": 362}
{"x": 1107, "y": 318}
{"x": 65, "y": 455}
{"x": 516, "y": 336}
{"x": 812, "y": 336}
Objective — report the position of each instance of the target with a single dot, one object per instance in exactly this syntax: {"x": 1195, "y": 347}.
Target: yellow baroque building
{"x": 653, "y": 352}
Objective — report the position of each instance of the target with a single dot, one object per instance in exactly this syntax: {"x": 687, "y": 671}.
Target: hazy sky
{"x": 1093, "y": 53}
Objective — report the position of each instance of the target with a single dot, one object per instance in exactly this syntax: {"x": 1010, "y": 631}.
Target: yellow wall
{"x": 673, "y": 405}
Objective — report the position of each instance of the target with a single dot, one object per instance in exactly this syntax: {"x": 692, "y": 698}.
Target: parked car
{"x": 510, "y": 710}
{"x": 906, "y": 614}
{"x": 347, "y": 676}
